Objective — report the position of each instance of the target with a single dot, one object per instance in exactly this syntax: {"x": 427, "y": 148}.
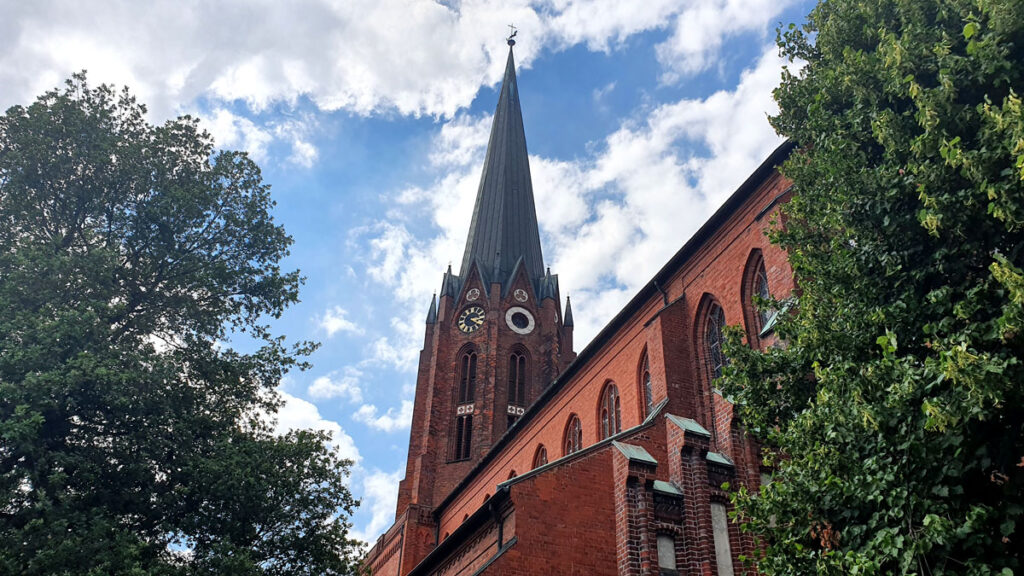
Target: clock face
{"x": 519, "y": 320}
{"x": 471, "y": 319}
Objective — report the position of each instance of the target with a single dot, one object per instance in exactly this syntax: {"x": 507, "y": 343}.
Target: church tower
{"x": 495, "y": 334}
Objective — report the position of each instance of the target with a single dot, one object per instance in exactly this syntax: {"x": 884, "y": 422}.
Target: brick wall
{"x": 558, "y": 511}
{"x": 667, "y": 334}
{"x": 668, "y": 326}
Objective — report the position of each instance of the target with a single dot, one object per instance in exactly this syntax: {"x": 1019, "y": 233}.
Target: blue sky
{"x": 370, "y": 118}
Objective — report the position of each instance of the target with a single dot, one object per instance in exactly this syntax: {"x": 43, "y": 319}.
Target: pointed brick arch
{"x": 609, "y": 411}
{"x": 466, "y": 369}
{"x": 518, "y": 375}
{"x": 540, "y": 456}
{"x": 754, "y": 284}
{"x": 707, "y": 338}
{"x": 644, "y": 386}
{"x": 572, "y": 438}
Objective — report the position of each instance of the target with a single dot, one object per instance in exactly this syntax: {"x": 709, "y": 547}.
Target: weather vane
{"x": 512, "y": 34}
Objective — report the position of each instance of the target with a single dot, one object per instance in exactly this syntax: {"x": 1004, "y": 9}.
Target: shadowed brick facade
{"x": 646, "y": 469}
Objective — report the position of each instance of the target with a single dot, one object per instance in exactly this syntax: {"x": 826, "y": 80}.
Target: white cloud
{"x": 380, "y": 496}
{"x": 601, "y": 23}
{"x": 297, "y": 413}
{"x": 231, "y": 131}
{"x": 229, "y": 62}
{"x": 303, "y": 153}
{"x": 363, "y": 56}
{"x": 599, "y": 93}
{"x": 699, "y": 30}
{"x": 334, "y": 320}
{"x": 390, "y": 421}
{"x": 296, "y": 133}
{"x": 383, "y": 352}
{"x": 461, "y": 141}
{"x": 339, "y": 385}
{"x": 237, "y": 132}
{"x": 359, "y": 55}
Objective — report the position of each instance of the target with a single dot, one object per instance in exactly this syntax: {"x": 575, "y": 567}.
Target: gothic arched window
{"x": 517, "y": 379}
{"x": 464, "y": 414}
{"x": 762, "y": 292}
{"x": 646, "y": 391}
{"x": 755, "y": 287}
{"x": 540, "y": 458}
{"x": 467, "y": 377}
{"x": 573, "y": 436}
{"x": 713, "y": 356}
{"x": 516, "y": 385}
{"x": 463, "y": 436}
{"x": 610, "y": 412}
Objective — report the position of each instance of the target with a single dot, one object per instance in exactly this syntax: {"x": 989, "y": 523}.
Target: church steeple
{"x": 494, "y": 338}
{"x": 504, "y": 226}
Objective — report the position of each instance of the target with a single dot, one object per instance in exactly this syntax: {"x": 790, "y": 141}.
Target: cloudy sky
{"x": 370, "y": 119}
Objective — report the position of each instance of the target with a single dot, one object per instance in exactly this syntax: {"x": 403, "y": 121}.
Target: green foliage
{"x": 134, "y": 440}
{"x": 894, "y": 411}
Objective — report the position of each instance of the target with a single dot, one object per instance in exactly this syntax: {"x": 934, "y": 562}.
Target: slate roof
{"x": 688, "y": 424}
{"x": 504, "y": 226}
{"x": 635, "y": 453}
{"x": 719, "y": 459}
{"x": 667, "y": 488}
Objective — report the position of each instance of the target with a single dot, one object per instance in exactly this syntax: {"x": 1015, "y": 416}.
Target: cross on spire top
{"x": 512, "y": 31}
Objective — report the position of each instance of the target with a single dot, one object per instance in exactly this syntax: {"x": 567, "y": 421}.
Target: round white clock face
{"x": 519, "y": 320}
{"x": 473, "y": 294}
{"x": 520, "y": 295}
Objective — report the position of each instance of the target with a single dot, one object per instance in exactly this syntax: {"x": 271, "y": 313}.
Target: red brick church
{"x": 528, "y": 458}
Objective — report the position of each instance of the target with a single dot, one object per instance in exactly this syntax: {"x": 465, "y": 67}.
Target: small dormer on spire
{"x": 432, "y": 313}
{"x": 449, "y": 284}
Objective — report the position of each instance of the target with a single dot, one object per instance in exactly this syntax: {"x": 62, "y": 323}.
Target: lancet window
{"x": 610, "y": 412}
{"x": 463, "y": 436}
{"x": 713, "y": 355}
{"x": 573, "y": 435}
{"x": 516, "y": 386}
{"x": 467, "y": 377}
{"x": 646, "y": 390}
{"x": 540, "y": 458}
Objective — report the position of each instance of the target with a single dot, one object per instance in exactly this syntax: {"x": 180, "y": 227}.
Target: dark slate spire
{"x": 504, "y": 226}
{"x": 432, "y": 313}
{"x": 567, "y": 319}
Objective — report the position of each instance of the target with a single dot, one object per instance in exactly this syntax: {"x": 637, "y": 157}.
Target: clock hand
{"x": 478, "y": 321}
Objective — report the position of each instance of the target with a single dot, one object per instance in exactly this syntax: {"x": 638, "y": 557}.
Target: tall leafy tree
{"x": 133, "y": 438}
{"x": 895, "y": 408}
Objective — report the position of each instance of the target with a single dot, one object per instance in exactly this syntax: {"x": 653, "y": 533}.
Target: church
{"x": 526, "y": 457}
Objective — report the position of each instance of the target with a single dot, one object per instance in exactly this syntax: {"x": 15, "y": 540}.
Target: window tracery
{"x": 540, "y": 458}
{"x": 573, "y": 441}
{"x": 610, "y": 412}
{"x": 713, "y": 355}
